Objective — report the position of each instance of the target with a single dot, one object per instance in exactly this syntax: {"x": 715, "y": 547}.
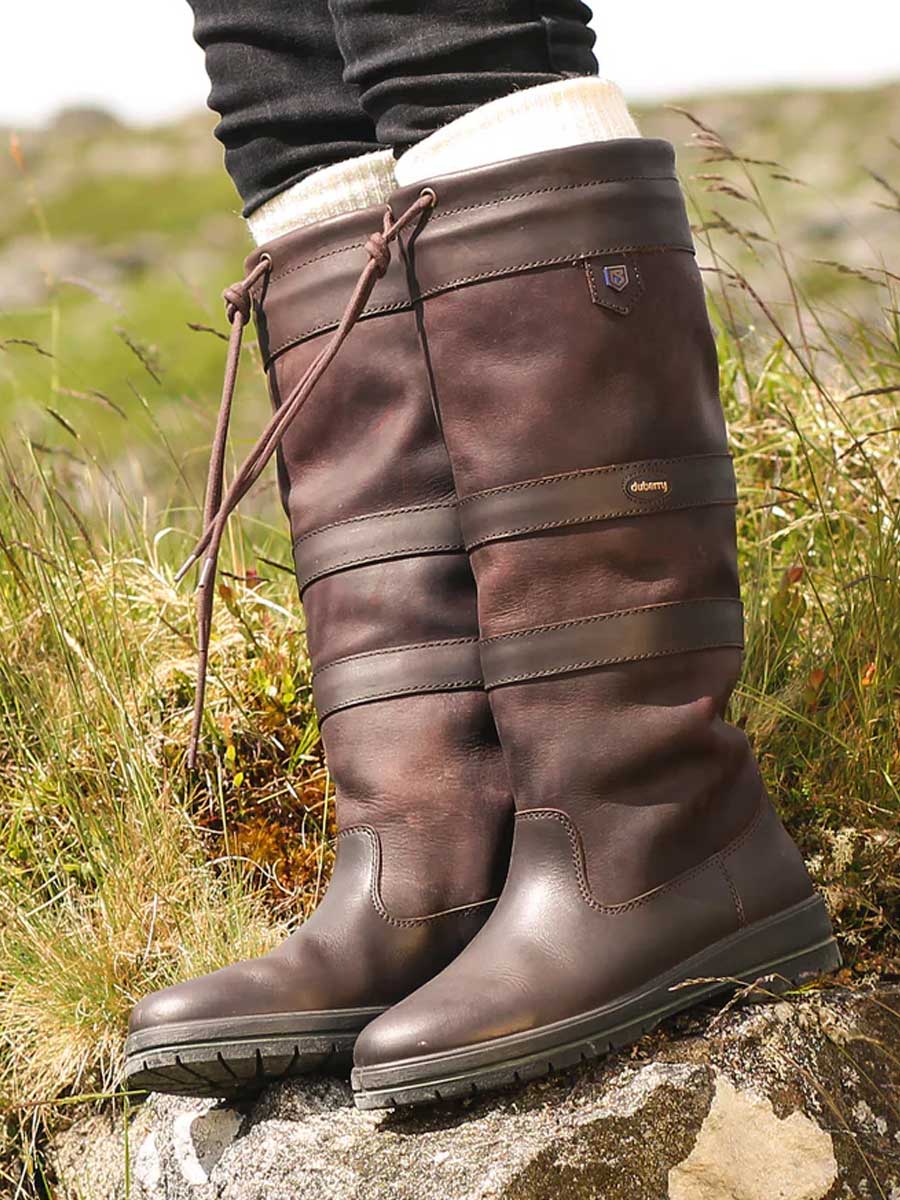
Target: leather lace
{"x": 218, "y": 508}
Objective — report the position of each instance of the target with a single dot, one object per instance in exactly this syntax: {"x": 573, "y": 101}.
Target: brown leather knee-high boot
{"x": 563, "y": 317}
{"x": 423, "y": 803}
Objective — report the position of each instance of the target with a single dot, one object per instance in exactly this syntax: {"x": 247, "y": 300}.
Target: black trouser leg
{"x": 419, "y": 65}
{"x": 300, "y": 84}
{"x": 276, "y": 78}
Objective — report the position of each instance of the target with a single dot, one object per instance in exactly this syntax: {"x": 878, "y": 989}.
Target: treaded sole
{"x": 230, "y": 1069}
{"x": 436, "y": 1078}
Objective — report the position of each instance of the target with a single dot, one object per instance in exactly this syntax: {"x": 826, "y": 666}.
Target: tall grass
{"x": 119, "y": 874}
{"x": 812, "y": 393}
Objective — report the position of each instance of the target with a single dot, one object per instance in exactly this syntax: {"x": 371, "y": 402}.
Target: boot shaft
{"x": 386, "y": 587}
{"x": 574, "y": 370}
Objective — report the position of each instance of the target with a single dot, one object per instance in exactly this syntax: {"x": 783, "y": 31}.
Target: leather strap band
{"x": 449, "y": 666}
{"x": 402, "y": 533}
{"x": 600, "y": 494}
{"x": 617, "y": 637}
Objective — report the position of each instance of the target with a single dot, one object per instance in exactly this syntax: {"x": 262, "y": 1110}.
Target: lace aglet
{"x": 186, "y": 566}
{"x": 197, "y": 723}
{"x": 208, "y": 568}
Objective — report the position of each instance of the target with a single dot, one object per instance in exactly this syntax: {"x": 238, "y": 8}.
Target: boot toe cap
{"x": 202, "y": 999}
{"x": 436, "y": 1020}
{"x": 243, "y": 989}
{"x": 390, "y": 1038}
{"x": 170, "y": 1006}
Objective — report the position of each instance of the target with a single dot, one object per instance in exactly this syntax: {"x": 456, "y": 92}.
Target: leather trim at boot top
{"x": 474, "y": 236}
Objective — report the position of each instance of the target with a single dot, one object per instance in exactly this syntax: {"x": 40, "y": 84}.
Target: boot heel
{"x": 802, "y": 968}
{"x": 785, "y": 950}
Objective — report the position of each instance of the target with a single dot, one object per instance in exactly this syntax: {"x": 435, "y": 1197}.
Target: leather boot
{"x": 574, "y": 370}
{"x": 422, "y": 799}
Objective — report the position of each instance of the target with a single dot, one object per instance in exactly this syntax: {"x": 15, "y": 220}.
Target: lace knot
{"x": 237, "y": 296}
{"x": 237, "y": 301}
{"x": 379, "y": 252}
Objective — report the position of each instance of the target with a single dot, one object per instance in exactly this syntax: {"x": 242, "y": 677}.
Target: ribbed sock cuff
{"x": 341, "y": 188}
{"x": 552, "y": 116}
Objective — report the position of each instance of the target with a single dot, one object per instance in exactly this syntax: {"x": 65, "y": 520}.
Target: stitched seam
{"x": 408, "y": 690}
{"x": 375, "y": 887}
{"x": 375, "y": 555}
{"x": 422, "y": 689}
{"x": 466, "y": 641}
{"x": 332, "y": 324}
{"x": 376, "y": 516}
{"x": 592, "y": 284}
{"x": 499, "y": 681}
{"x": 449, "y": 212}
{"x": 747, "y": 833}
{"x": 578, "y": 859}
{"x": 440, "y": 214}
{"x": 649, "y": 511}
{"x": 307, "y": 262}
{"x": 379, "y": 556}
{"x": 645, "y": 611}
{"x": 736, "y": 900}
{"x": 574, "y": 257}
{"x": 581, "y": 871}
{"x": 612, "y": 469}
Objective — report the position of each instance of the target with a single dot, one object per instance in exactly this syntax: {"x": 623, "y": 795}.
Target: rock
{"x": 795, "y": 1100}
{"x": 788, "y": 1158}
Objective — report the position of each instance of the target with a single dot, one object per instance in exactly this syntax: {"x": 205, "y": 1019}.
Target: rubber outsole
{"x": 237, "y": 1061}
{"x": 522, "y": 1058}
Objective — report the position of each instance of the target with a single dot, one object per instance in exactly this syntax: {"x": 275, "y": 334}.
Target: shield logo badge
{"x": 616, "y": 277}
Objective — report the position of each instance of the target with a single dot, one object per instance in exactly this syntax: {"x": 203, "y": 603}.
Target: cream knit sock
{"x": 551, "y": 116}
{"x": 330, "y": 192}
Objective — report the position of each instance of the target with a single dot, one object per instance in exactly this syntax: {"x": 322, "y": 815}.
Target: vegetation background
{"x": 118, "y": 872}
